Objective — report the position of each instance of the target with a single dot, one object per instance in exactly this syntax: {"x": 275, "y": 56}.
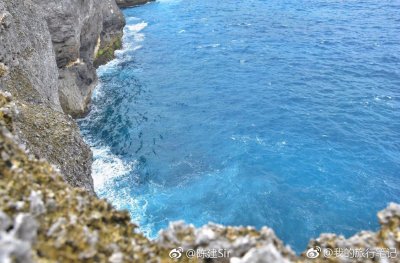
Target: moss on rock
{"x": 3, "y": 70}
{"x": 106, "y": 53}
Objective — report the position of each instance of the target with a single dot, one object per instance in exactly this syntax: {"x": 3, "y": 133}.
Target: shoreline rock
{"x": 111, "y": 36}
{"x": 131, "y": 3}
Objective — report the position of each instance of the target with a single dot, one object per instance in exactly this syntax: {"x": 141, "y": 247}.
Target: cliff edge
{"x": 31, "y": 74}
{"x": 49, "y": 51}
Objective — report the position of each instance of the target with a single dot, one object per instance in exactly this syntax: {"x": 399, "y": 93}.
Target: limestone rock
{"x": 82, "y": 228}
{"x": 54, "y": 136}
{"x": 111, "y": 36}
{"x": 240, "y": 244}
{"x": 38, "y": 78}
{"x": 267, "y": 253}
{"x": 27, "y": 62}
{"x": 17, "y": 239}
{"x": 78, "y": 30}
{"x": 50, "y": 134}
{"x": 382, "y": 246}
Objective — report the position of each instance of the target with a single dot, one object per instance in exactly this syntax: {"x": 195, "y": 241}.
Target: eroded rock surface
{"x": 29, "y": 71}
{"x": 81, "y": 31}
{"x": 111, "y": 35}
{"x": 230, "y": 244}
{"x": 27, "y": 63}
{"x": 43, "y": 219}
{"x": 367, "y": 245}
{"x": 54, "y": 136}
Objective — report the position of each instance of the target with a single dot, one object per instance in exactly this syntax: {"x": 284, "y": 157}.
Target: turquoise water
{"x": 280, "y": 113}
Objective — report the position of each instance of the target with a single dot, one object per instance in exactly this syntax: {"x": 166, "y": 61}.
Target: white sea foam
{"x": 139, "y": 37}
{"x": 107, "y": 166}
{"x": 105, "y": 169}
{"x": 135, "y": 31}
{"x": 129, "y": 31}
{"x": 137, "y": 27}
{"x": 209, "y": 46}
{"x": 97, "y": 93}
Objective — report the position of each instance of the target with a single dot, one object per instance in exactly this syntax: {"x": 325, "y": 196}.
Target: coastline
{"x": 57, "y": 217}
{"x": 49, "y": 55}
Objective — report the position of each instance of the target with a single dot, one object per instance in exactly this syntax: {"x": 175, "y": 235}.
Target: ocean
{"x": 273, "y": 113}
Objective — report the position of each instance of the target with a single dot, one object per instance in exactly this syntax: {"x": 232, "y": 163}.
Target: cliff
{"x": 42, "y": 219}
{"x": 49, "y": 51}
{"x": 84, "y": 34}
{"x": 53, "y": 47}
{"x": 31, "y": 74}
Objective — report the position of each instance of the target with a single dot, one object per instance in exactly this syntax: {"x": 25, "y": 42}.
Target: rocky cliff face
{"x": 43, "y": 219}
{"x": 84, "y": 34}
{"x": 27, "y": 62}
{"x": 32, "y": 76}
{"x": 48, "y": 54}
{"x": 111, "y": 35}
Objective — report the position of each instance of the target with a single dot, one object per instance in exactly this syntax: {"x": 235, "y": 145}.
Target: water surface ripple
{"x": 280, "y": 113}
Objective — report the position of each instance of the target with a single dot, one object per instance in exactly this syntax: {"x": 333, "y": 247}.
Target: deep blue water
{"x": 283, "y": 113}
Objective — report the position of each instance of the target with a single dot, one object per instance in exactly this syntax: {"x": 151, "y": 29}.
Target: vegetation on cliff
{"x": 106, "y": 53}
